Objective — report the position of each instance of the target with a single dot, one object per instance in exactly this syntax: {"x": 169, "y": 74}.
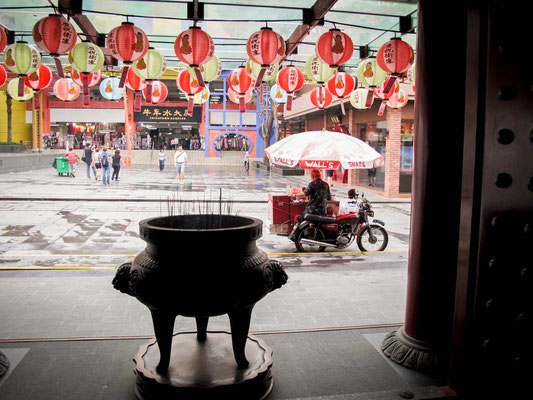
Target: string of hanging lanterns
{"x": 142, "y": 65}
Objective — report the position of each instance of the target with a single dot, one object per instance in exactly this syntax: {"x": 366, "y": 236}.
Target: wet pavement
{"x": 62, "y": 238}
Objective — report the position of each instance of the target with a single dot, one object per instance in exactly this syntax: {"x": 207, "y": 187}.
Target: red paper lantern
{"x": 290, "y": 79}
{"x": 3, "y": 76}
{"x": 127, "y": 43}
{"x": 240, "y": 82}
{"x": 37, "y": 81}
{"x": 395, "y": 57}
{"x": 55, "y": 35}
{"x": 234, "y": 97}
{"x": 137, "y": 84}
{"x": 194, "y": 47}
{"x": 189, "y": 85}
{"x": 342, "y": 85}
{"x": 399, "y": 98}
{"x": 159, "y": 92}
{"x": 334, "y": 48}
{"x": 66, "y": 89}
{"x": 3, "y": 39}
{"x": 93, "y": 78}
{"x": 379, "y": 91}
{"x": 265, "y": 47}
{"x": 321, "y": 100}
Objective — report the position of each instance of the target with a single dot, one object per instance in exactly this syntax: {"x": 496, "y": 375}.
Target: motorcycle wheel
{"x": 365, "y": 242}
{"x": 309, "y": 232}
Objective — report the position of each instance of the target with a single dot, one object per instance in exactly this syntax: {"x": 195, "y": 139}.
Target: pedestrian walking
{"x": 106, "y": 166}
{"x": 162, "y": 157}
{"x": 88, "y": 159}
{"x": 97, "y": 164}
{"x": 372, "y": 176}
{"x": 247, "y": 161}
{"x": 71, "y": 155}
{"x": 117, "y": 162}
{"x": 180, "y": 161}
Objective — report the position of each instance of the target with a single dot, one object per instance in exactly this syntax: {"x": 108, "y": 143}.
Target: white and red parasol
{"x": 323, "y": 150}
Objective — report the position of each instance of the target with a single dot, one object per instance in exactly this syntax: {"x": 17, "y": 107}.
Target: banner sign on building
{"x": 158, "y": 113}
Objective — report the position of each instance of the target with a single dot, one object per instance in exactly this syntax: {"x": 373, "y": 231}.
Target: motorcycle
{"x": 313, "y": 233}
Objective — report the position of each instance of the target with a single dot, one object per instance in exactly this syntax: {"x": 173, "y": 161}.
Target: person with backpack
{"x": 106, "y": 166}
{"x": 116, "y": 165}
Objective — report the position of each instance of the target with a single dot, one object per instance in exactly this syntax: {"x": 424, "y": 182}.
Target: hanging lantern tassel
{"x": 242, "y": 104}
{"x": 85, "y": 90}
{"x": 261, "y": 95}
{"x": 289, "y": 102}
{"x": 389, "y": 84}
{"x": 342, "y": 106}
{"x": 190, "y": 105}
{"x": 59, "y": 67}
{"x": 369, "y": 98}
{"x": 382, "y": 107}
{"x": 149, "y": 91}
{"x": 137, "y": 101}
{"x": 124, "y": 75}
{"x": 259, "y": 80}
{"x": 36, "y": 100}
{"x": 199, "y": 76}
{"x": 21, "y": 87}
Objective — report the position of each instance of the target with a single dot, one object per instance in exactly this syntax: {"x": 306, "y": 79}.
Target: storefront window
{"x": 374, "y": 134}
{"x": 406, "y": 156}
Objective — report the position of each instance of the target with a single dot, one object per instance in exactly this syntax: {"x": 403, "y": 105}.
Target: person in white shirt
{"x": 162, "y": 157}
{"x": 180, "y": 161}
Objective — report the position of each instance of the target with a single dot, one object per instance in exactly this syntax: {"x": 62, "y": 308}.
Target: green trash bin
{"x": 62, "y": 165}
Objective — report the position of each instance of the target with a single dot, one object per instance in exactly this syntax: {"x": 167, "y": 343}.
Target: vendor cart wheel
{"x": 309, "y": 232}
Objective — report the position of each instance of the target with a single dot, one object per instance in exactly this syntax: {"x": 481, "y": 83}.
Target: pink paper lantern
{"x": 66, "y": 89}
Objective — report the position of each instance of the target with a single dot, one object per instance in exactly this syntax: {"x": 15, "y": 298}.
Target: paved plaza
{"x": 62, "y": 238}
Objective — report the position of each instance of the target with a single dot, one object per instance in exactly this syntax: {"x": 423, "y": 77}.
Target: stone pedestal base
{"x": 409, "y": 352}
{"x": 204, "y": 370}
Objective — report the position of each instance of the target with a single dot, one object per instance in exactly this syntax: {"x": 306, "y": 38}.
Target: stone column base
{"x": 409, "y": 352}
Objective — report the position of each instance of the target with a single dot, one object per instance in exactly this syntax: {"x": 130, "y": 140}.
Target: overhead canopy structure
{"x": 300, "y": 22}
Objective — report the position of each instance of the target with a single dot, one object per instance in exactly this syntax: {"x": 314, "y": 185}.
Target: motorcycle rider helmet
{"x": 352, "y": 193}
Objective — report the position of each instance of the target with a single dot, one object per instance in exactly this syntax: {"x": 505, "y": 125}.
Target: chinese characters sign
{"x": 167, "y": 114}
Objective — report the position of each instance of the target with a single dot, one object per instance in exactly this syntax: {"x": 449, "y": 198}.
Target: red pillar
{"x": 130, "y": 127}
{"x": 423, "y": 343}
